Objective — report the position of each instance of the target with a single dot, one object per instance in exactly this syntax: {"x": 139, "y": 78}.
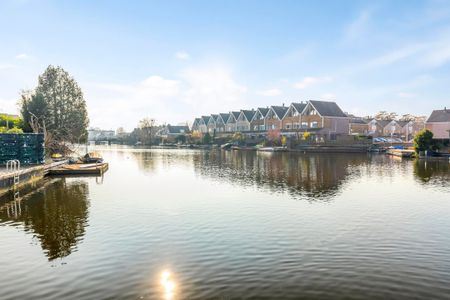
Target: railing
{"x": 13, "y": 166}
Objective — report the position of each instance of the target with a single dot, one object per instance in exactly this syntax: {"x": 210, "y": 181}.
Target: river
{"x": 196, "y": 224}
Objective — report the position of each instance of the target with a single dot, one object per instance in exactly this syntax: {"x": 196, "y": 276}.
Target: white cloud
{"x": 212, "y": 89}
{"x": 22, "y": 56}
{"x": 182, "y": 55}
{"x": 269, "y": 92}
{"x": 114, "y": 105}
{"x": 310, "y": 81}
{"x": 197, "y": 90}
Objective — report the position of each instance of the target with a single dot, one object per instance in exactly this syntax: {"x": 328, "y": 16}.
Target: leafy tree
{"x": 423, "y": 140}
{"x": 10, "y": 121}
{"x": 207, "y": 138}
{"x": 33, "y": 105}
{"x": 65, "y": 114}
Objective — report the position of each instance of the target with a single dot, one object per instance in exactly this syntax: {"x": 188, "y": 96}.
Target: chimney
{"x": 283, "y": 104}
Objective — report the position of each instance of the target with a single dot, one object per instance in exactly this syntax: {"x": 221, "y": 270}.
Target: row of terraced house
{"x": 318, "y": 117}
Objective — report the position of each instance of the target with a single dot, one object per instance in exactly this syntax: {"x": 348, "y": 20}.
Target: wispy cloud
{"x": 396, "y": 55}
{"x": 359, "y": 26}
{"x": 22, "y": 56}
{"x": 310, "y": 81}
{"x": 269, "y": 92}
{"x": 182, "y": 55}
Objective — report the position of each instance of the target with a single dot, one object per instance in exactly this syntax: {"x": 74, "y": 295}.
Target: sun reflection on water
{"x": 168, "y": 285}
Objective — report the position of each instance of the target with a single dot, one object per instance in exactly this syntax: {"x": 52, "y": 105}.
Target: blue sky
{"x": 174, "y": 60}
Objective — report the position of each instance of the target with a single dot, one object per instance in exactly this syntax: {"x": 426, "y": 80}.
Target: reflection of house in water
{"x": 308, "y": 175}
{"x": 56, "y": 214}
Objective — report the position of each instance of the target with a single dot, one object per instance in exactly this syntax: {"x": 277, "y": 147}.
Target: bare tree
{"x": 147, "y": 126}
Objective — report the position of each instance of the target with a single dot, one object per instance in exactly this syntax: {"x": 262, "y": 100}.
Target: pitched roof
{"x": 357, "y": 120}
{"x": 402, "y": 123}
{"x": 224, "y": 117}
{"x": 215, "y": 117}
{"x": 177, "y": 129}
{"x": 263, "y": 111}
{"x": 299, "y": 106}
{"x": 442, "y": 115}
{"x": 280, "y": 111}
{"x": 327, "y": 109}
{"x": 196, "y": 120}
{"x": 384, "y": 123}
{"x": 206, "y": 119}
{"x": 248, "y": 114}
{"x": 236, "y": 114}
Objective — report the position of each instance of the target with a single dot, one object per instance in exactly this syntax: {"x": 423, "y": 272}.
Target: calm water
{"x": 182, "y": 224}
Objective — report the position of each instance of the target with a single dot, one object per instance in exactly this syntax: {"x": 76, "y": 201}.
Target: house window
{"x": 314, "y": 124}
{"x": 296, "y": 125}
{"x": 304, "y": 124}
{"x": 287, "y": 126}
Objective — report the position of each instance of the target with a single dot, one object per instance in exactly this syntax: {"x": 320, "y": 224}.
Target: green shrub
{"x": 423, "y": 140}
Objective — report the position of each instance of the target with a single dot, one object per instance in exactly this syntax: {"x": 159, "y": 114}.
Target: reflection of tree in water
{"x": 145, "y": 160}
{"x": 57, "y": 214}
{"x": 317, "y": 176}
{"x": 435, "y": 172}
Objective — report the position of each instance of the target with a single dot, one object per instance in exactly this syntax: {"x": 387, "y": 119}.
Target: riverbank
{"x": 25, "y": 176}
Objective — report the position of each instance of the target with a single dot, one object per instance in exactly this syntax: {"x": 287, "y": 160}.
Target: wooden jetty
{"x": 80, "y": 169}
{"x": 18, "y": 178}
{"x": 401, "y": 152}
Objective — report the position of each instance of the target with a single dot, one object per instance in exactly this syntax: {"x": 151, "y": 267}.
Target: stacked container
{"x": 28, "y": 148}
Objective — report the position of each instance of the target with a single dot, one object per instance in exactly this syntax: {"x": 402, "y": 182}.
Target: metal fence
{"x": 28, "y": 148}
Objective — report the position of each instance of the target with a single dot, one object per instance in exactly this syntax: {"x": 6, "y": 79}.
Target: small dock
{"x": 19, "y": 178}
{"x": 401, "y": 152}
{"x": 26, "y": 175}
{"x": 96, "y": 169}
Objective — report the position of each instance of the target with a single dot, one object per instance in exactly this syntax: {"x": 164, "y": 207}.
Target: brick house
{"x": 439, "y": 123}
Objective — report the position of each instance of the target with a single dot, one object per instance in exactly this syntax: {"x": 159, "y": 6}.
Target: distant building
{"x": 274, "y": 118}
{"x": 170, "y": 131}
{"x": 358, "y": 126}
{"x": 230, "y": 126}
{"x": 258, "y": 122}
{"x": 325, "y": 118}
{"x": 96, "y": 134}
{"x": 243, "y": 121}
{"x": 439, "y": 123}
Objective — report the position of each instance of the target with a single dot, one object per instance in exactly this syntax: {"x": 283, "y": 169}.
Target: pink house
{"x": 439, "y": 123}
